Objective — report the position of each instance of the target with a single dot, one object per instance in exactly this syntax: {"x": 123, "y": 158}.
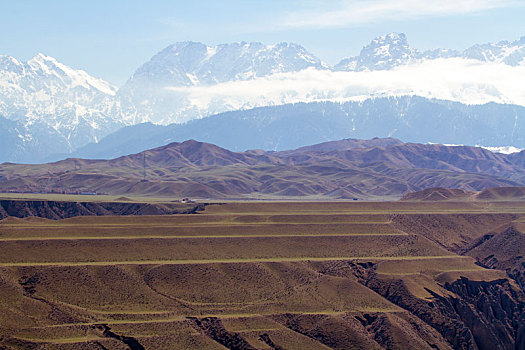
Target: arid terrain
{"x": 262, "y": 175}
{"x": 411, "y": 274}
{"x": 376, "y": 169}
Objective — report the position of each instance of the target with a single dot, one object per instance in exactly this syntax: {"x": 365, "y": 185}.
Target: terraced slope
{"x": 255, "y": 276}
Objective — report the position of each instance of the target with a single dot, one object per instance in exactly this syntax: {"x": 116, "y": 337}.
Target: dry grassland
{"x": 264, "y": 270}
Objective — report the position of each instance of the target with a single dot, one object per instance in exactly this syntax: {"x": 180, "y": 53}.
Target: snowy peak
{"x": 392, "y": 50}
{"x": 511, "y": 53}
{"x": 387, "y": 45}
{"x": 43, "y": 73}
{"x": 158, "y": 90}
{"x": 384, "y": 52}
{"x": 505, "y": 52}
{"x": 190, "y": 80}
{"x": 191, "y": 63}
{"x": 42, "y": 61}
{"x": 44, "y": 91}
{"x": 172, "y": 64}
{"x": 10, "y": 64}
{"x": 49, "y": 67}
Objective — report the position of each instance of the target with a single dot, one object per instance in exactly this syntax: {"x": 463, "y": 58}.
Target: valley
{"x": 179, "y": 175}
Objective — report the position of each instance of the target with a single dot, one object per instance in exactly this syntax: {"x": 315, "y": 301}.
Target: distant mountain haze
{"x": 47, "y": 108}
{"x": 278, "y": 128}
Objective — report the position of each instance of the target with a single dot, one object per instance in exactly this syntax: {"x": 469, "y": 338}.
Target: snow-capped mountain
{"x": 22, "y": 142}
{"x": 156, "y": 91}
{"x": 409, "y": 118}
{"x": 191, "y": 80}
{"x": 77, "y": 106}
{"x": 191, "y": 63}
{"x": 510, "y": 53}
{"x": 384, "y": 52}
{"x": 50, "y": 106}
{"x": 393, "y": 50}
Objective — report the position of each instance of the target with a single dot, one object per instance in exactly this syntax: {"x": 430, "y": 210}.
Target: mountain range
{"x": 278, "y": 128}
{"x": 78, "y": 107}
{"x": 363, "y": 169}
{"x": 49, "y": 108}
{"x": 391, "y": 50}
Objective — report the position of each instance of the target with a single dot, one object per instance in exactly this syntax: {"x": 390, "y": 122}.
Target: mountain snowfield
{"x": 191, "y": 80}
{"x": 78, "y": 107}
{"x": 47, "y": 106}
{"x": 163, "y": 89}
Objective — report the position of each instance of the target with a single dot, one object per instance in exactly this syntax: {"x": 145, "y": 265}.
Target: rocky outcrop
{"x": 268, "y": 341}
{"x": 343, "y": 332}
{"x": 493, "y": 311}
{"x": 478, "y": 315}
{"x": 435, "y": 313}
{"x": 61, "y": 210}
{"x": 213, "y": 328}
{"x": 503, "y": 251}
{"x": 358, "y": 330}
{"x": 106, "y": 332}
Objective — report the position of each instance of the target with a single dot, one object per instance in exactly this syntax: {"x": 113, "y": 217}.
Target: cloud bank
{"x": 456, "y": 79}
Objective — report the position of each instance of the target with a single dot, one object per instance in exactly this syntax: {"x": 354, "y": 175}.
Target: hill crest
{"x": 376, "y": 169}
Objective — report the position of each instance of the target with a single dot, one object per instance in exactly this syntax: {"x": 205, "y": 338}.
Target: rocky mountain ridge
{"x": 392, "y": 50}
{"x": 48, "y": 100}
{"x": 278, "y": 128}
{"x": 77, "y": 106}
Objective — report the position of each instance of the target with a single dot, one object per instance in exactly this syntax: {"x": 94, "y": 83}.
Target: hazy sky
{"x": 110, "y": 39}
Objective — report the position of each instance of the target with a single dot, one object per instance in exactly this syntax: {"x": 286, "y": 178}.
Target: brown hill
{"x": 191, "y": 153}
{"x": 488, "y": 194}
{"x": 347, "y": 144}
{"x": 364, "y": 169}
{"x": 437, "y": 194}
{"x": 502, "y": 193}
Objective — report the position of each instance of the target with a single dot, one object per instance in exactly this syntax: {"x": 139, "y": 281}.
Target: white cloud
{"x": 502, "y": 149}
{"x": 456, "y": 79}
{"x": 357, "y": 12}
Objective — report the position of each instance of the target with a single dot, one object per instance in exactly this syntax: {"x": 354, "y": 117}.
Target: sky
{"x": 110, "y": 39}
